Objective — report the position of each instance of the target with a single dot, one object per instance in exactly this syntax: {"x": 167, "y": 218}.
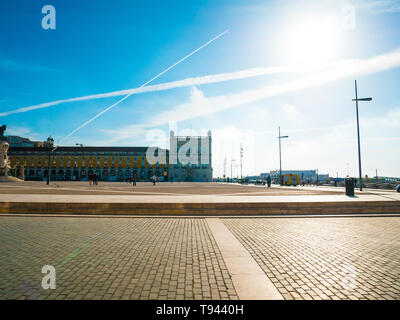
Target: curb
{"x": 203, "y": 209}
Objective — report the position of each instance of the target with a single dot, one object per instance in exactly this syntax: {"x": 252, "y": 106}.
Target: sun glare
{"x": 311, "y": 41}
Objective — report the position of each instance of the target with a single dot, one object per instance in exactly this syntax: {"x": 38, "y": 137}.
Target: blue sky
{"x": 105, "y": 46}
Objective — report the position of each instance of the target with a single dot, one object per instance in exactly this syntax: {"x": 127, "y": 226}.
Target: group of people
{"x": 93, "y": 179}
{"x": 132, "y": 180}
{"x": 153, "y": 180}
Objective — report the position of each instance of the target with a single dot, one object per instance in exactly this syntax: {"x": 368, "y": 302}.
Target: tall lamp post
{"x": 80, "y": 145}
{"x": 50, "y": 142}
{"x": 280, "y": 156}
{"x": 225, "y": 169}
{"x": 358, "y": 131}
{"x": 232, "y": 160}
{"x": 241, "y": 159}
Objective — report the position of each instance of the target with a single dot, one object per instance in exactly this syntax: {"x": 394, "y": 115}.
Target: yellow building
{"x": 78, "y": 163}
{"x": 39, "y": 159}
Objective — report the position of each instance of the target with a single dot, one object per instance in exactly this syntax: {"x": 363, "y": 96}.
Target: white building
{"x": 190, "y": 158}
{"x": 311, "y": 175}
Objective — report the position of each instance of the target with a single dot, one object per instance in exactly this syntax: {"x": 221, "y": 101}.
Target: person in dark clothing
{"x": 95, "y": 179}
{"x": 269, "y": 181}
{"x": 134, "y": 179}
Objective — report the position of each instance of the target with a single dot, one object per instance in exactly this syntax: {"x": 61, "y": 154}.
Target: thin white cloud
{"x": 381, "y": 6}
{"x": 16, "y": 66}
{"x": 143, "y": 85}
{"x": 22, "y": 131}
{"x": 374, "y": 64}
{"x": 290, "y": 109}
{"x": 199, "y": 105}
{"x": 248, "y": 73}
{"x": 127, "y": 132}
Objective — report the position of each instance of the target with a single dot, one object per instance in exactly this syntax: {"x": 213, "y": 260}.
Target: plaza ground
{"x": 162, "y": 188}
{"x": 345, "y": 256}
{"x": 161, "y": 258}
{"x": 180, "y": 199}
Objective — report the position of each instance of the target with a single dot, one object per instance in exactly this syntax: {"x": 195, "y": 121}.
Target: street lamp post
{"x": 50, "y": 142}
{"x": 280, "y": 156}
{"x": 225, "y": 169}
{"x": 79, "y": 171}
{"x": 358, "y": 131}
{"x": 232, "y": 160}
{"x": 241, "y": 159}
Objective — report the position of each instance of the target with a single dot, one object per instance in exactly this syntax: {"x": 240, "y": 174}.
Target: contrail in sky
{"x": 144, "y": 84}
{"x": 212, "y": 78}
{"x": 358, "y": 66}
{"x": 382, "y": 59}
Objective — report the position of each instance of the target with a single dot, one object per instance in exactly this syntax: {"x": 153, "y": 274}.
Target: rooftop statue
{"x": 3, "y": 155}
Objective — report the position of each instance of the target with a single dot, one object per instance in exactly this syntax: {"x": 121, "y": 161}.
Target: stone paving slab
{"x": 181, "y": 199}
{"x": 165, "y": 188}
{"x": 178, "y": 189}
{"x": 194, "y": 205}
{"x": 79, "y": 198}
{"x": 249, "y": 280}
{"x": 335, "y": 258}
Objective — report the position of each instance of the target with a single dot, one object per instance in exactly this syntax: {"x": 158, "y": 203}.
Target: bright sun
{"x": 311, "y": 40}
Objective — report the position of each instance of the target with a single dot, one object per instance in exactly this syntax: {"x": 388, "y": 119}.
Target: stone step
{"x": 207, "y": 209}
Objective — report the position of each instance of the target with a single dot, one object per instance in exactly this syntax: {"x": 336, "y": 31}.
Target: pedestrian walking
{"x": 154, "y": 180}
{"x": 134, "y": 179}
{"x": 95, "y": 179}
{"x": 90, "y": 179}
{"x": 269, "y": 181}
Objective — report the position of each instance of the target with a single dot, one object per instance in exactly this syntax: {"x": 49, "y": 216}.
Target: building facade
{"x": 17, "y": 141}
{"x": 190, "y": 161}
{"x": 190, "y": 158}
{"x": 78, "y": 163}
{"x": 311, "y": 175}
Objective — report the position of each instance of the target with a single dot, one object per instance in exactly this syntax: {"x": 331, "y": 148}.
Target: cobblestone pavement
{"x": 326, "y": 258}
{"x": 167, "y": 258}
{"x": 111, "y": 258}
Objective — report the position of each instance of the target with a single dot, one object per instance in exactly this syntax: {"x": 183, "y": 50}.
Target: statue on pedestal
{"x": 3, "y": 154}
